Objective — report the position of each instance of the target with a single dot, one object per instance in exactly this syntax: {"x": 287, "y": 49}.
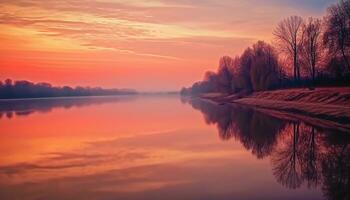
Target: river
{"x": 165, "y": 147}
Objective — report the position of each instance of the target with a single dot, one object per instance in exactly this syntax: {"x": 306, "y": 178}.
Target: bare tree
{"x": 312, "y": 45}
{"x": 289, "y": 37}
{"x": 337, "y": 31}
{"x": 225, "y": 62}
{"x": 225, "y": 73}
{"x": 246, "y": 61}
{"x": 264, "y": 70}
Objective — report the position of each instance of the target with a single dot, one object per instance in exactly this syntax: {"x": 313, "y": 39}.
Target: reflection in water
{"x": 335, "y": 164}
{"x": 294, "y": 157}
{"x": 299, "y": 153}
{"x": 256, "y": 131}
{"x": 24, "y": 107}
{"x": 141, "y": 149}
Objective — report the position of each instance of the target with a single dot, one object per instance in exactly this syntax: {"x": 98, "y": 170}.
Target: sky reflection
{"x": 156, "y": 148}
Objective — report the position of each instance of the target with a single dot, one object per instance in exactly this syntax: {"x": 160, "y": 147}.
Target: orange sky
{"x": 148, "y": 45}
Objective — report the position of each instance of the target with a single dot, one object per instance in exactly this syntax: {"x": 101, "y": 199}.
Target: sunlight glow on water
{"x": 164, "y": 147}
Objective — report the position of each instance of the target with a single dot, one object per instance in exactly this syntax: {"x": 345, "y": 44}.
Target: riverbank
{"x": 327, "y": 103}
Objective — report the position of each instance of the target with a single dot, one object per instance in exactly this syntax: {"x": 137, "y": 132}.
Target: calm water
{"x": 164, "y": 147}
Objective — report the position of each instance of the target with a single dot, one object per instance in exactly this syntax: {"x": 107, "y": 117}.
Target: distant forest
{"x": 305, "y": 53}
{"x": 26, "y": 89}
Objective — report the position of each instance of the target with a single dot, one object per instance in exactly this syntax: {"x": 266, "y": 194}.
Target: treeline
{"x": 305, "y": 52}
{"x": 24, "y": 89}
{"x": 300, "y": 154}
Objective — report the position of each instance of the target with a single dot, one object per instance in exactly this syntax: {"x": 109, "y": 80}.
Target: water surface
{"x": 164, "y": 147}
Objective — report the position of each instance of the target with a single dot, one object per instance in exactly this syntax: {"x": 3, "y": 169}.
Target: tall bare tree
{"x": 312, "y": 45}
{"x": 289, "y": 37}
{"x": 337, "y": 31}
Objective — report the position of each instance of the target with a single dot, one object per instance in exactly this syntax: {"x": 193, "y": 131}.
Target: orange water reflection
{"x": 157, "y": 147}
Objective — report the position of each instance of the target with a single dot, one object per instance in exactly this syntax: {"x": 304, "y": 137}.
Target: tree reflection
{"x": 309, "y": 153}
{"x": 300, "y": 154}
{"x": 306, "y": 154}
{"x": 25, "y": 107}
{"x": 294, "y": 158}
{"x": 335, "y": 164}
{"x": 285, "y": 158}
{"x": 257, "y": 132}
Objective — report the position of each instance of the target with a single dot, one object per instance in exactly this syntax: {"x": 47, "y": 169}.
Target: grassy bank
{"x": 327, "y": 103}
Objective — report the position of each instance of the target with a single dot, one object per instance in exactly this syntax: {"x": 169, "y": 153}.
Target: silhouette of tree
{"x": 257, "y": 69}
{"x": 26, "y": 89}
{"x": 289, "y": 37}
{"x": 264, "y": 70}
{"x": 243, "y": 78}
{"x": 311, "y": 51}
{"x": 8, "y": 82}
{"x": 337, "y": 31}
{"x": 225, "y": 75}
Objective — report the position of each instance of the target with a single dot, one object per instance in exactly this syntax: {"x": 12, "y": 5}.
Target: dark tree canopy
{"x": 312, "y": 46}
{"x": 26, "y": 89}
{"x": 256, "y": 70}
{"x": 314, "y": 52}
{"x": 337, "y": 32}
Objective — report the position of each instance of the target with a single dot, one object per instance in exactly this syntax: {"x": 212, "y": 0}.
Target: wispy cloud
{"x": 153, "y": 33}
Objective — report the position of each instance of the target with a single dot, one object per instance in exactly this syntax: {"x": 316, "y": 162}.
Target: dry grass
{"x": 328, "y": 96}
{"x": 327, "y": 103}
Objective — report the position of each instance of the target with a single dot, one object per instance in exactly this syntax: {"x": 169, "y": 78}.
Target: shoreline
{"x": 326, "y": 104}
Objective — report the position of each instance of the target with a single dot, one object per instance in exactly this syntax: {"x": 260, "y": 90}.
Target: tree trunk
{"x": 295, "y": 66}
{"x": 313, "y": 71}
{"x": 345, "y": 58}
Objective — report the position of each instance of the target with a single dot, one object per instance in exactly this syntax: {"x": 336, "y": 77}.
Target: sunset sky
{"x": 149, "y": 45}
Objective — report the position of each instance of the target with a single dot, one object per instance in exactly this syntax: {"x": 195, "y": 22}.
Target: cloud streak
{"x": 153, "y": 34}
